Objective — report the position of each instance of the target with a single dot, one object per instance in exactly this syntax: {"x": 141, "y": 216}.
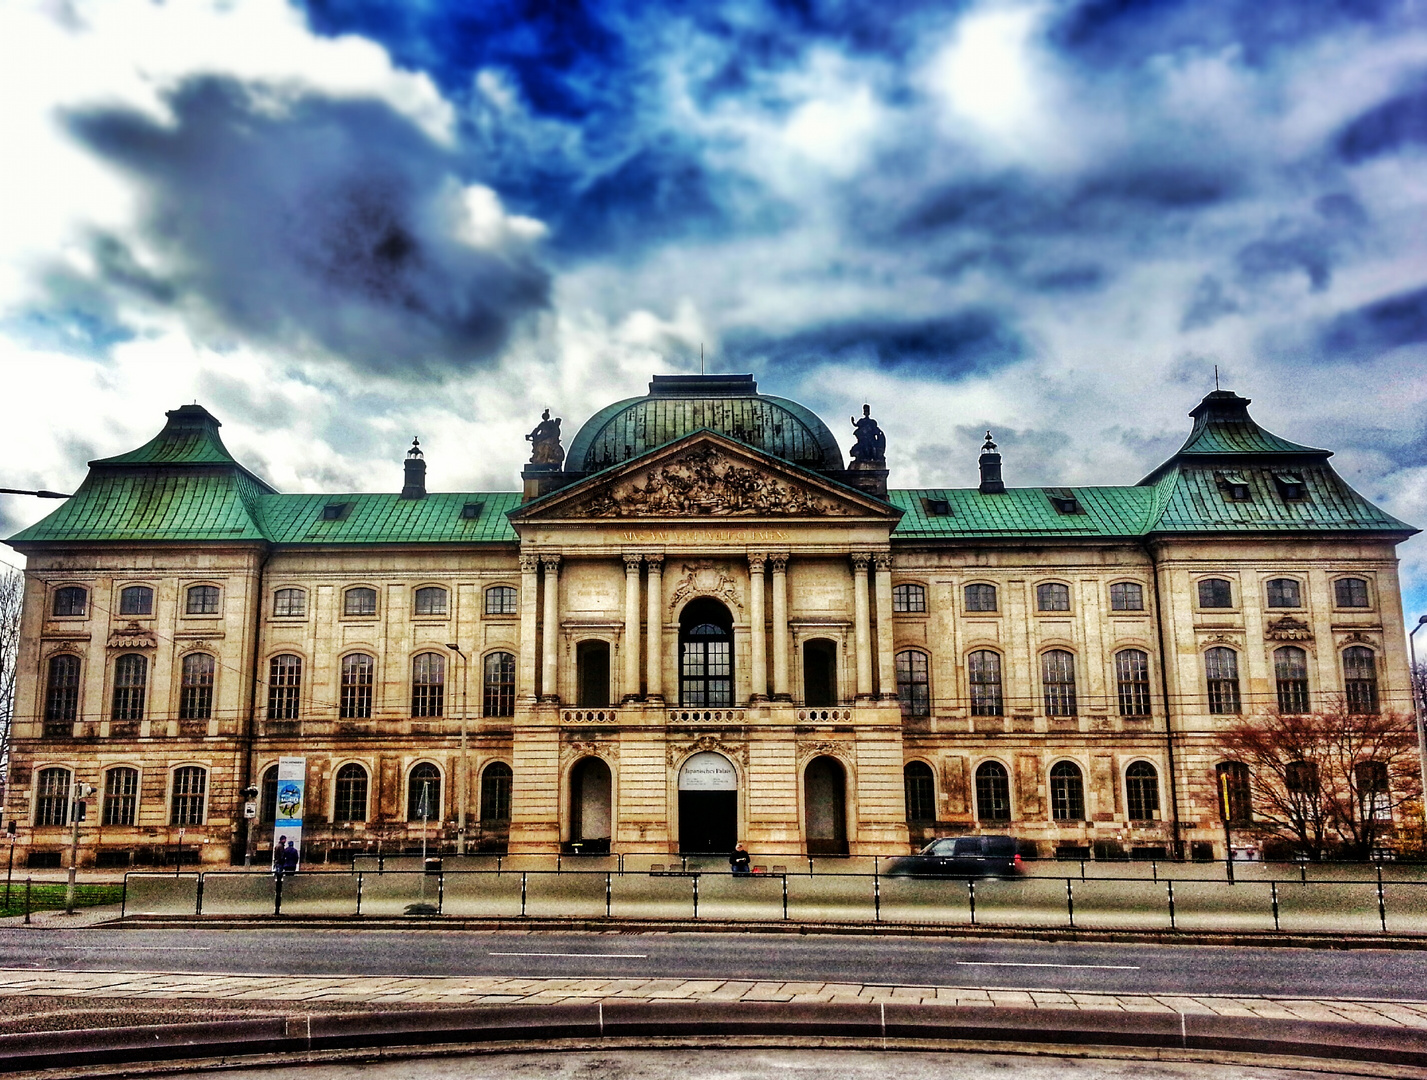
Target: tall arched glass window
{"x": 1221, "y": 673}
{"x": 984, "y": 672}
{"x": 62, "y": 695}
{"x": 993, "y": 792}
{"x": 349, "y": 793}
{"x": 269, "y": 794}
{"x": 356, "y": 697}
{"x": 190, "y": 788}
{"x": 1067, "y": 792}
{"x": 1058, "y": 682}
{"x": 495, "y": 793}
{"x": 52, "y": 797}
{"x": 428, "y": 684}
{"x": 195, "y": 695}
{"x": 706, "y": 655}
{"x": 1360, "y": 680}
{"x": 1290, "y": 669}
{"x": 1142, "y": 791}
{"x": 913, "y": 686}
{"x": 920, "y": 787}
{"x": 498, "y": 685}
{"x": 131, "y": 680}
{"x": 1235, "y": 793}
{"x": 284, "y": 687}
{"x": 121, "y": 796}
{"x": 1132, "y": 681}
{"x": 423, "y": 793}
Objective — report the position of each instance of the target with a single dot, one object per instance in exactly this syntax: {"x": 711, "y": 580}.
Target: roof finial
{"x": 989, "y": 444}
{"x": 1216, "y": 376}
{"x": 701, "y": 359}
{"x": 415, "y": 451}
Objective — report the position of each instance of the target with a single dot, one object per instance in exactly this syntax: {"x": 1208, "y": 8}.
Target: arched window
{"x": 1067, "y": 792}
{"x": 1221, "y": 672}
{"x": 121, "y": 796}
{"x": 984, "y": 670}
{"x": 423, "y": 793}
{"x": 428, "y": 684}
{"x": 498, "y": 685}
{"x": 284, "y": 686}
{"x": 359, "y": 601}
{"x": 1052, "y": 596}
{"x": 1142, "y": 792}
{"x": 1351, "y": 592}
{"x": 356, "y": 701}
{"x": 920, "y": 787}
{"x": 1301, "y": 778}
{"x": 430, "y": 600}
{"x": 1360, "y": 680}
{"x": 501, "y": 600}
{"x": 195, "y": 695}
{"x": 131, "y": 678}
{"x": 349, "y": 794}
{"x": 913, "y": 685}
{"x": 52, "y": 797}
{"x": 290, "y": 603}
{"x": 136, "y": 600}
{"x": 993, "y": 792}
{"x": 202, "y": 600}
{"x": 1127, "y": 596}
{"x": 1235, "y": 794}
{"x": 70, "y": 602}
{"x": 495, "y": 793}
{"x": 62, "y": 695}
{"x": 1058, "y": 682}
{"x": 1132, "y": 680}
{"x": 909, "y": 598}
{"x": 1283, "y": 592}
{"x": 190, "y": 786}
{"x": 269, "y": 795}
{"x": 706, "y": 655}
{"x": 980, "y": 597}
{"x": 1215, "y": 593}
{"x": 1290, "y": 669}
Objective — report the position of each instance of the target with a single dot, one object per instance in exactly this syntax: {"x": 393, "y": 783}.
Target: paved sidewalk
{"x": 292, "y": 990}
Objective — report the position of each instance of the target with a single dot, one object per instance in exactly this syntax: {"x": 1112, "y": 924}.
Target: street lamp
{"x": 77, "y": 794}
{"x": 1417, "y": 711}
{"x": 465, "y": 759}
{"x": 41, "y": 494}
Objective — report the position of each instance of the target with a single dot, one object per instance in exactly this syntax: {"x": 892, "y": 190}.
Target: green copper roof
{"x": 1224, "y": 429}
{"x": 1108, "y": 511}
{"x": 189, "y": 438}
{"x": 389, "y": 519}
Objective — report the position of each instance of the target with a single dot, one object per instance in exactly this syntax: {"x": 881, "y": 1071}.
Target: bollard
{"x": 1273, "y": 894}
{"x": 522, "y": 893}
{"x": 785, "y": 896}
{"x": 27, "y": 901}
{"x": 876, "y": 897}
{"x": 441, "y": 891}
{"x": 1154, "y": 869}
{"x": 1070, "y": 902}
{"x": 971, "y": 891}
{"x": 1381, "y": 901}
{"x": 277, "y": 894}
{"x": 198, "y": 900}
{"x": 696, "y": 896}
{"x": 360, "y": 875}
{"x": 608, "y": 894}
{"x": 1170, "y": 885}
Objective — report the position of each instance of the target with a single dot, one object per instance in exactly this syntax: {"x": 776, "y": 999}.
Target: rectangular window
{"x": 131, "y": 676}
{"x": 202, "y": 600}
{"x": 498, "y": 690}
{"x": 913, "y": 688}
{"x": 52, "y": 797}
{"x": 1216, "y": 593}
{"x": 1127, "y": 596}
{"x": 1221, "y": 670}
{"x": 71, "y": 601}
{"x": 288, "y": 603}
{"x": 1351, "y": 592}
{"x": 284, "y": 687}
{"x": 356, "y": 703}
{"x": 984, "y": 671}
{"x": 136, "y": 600}
{"x": 190, "y": 784}
{"x": 1052, "y": 596}
{"x": 1283, "y": 593}
{"x": 121, "y": 796}
{"x": 195, "y": 699}
{"x": 980, "y": 598}
{"x": 500, "y": 600}
{"x": 431, "y": 601}
{"x": 1132, "y": 674}
{"x": 359, "y": 602}
{"x": 909, "y": 598}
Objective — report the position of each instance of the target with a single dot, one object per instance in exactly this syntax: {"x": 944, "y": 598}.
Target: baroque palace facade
{"x": 697, "y": 627}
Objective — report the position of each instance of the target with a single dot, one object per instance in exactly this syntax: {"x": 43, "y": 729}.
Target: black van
{"x": 961, "y": 856}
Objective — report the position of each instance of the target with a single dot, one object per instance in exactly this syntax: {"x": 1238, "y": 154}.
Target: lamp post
{"x": 1417, "y": 711}
{"x": 77, "y": 794}
{"x": 250, "y": 821}
{"x": 464, "y": 792}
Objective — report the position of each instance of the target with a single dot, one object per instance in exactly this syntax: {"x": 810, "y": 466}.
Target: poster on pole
{"x": 287, "y": 823}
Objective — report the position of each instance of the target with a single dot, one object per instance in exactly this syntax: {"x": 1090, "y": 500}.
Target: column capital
{"x": 550, "y": 562}
{"x": 656, "y": 562}
{"x": 632, "y": 559}
{"x": 883, "y": 559}
{"x": 861, "y": 560}
{"x": 778, "y": 562}
{"x": 755, "y": 562}
{"x": 529, "y": 564}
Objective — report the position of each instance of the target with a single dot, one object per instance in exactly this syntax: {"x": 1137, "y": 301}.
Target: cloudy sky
{"x": 341, "y": 224}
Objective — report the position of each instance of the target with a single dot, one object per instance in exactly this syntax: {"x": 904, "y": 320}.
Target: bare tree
{"x": 12, "y": 595}
{"x": 1329, "y": 780}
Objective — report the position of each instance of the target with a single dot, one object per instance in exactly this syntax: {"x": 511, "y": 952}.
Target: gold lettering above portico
{"x": 709, "y": 536}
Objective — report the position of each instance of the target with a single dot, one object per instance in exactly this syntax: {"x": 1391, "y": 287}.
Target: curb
{"x": 1302, "y": 940}
{"x": 601, "y": 1020}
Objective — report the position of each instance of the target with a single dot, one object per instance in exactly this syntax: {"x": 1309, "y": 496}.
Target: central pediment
{"x": 705, "y": 475}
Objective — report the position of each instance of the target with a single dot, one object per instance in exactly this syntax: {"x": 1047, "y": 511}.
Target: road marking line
{"x": 1011, "y": 963}
{"x": 137, "y": 948}
{"x": 604, "y": 955}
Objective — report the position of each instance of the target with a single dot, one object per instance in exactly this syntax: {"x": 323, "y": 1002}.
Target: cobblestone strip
{"x": 496, "y": 989}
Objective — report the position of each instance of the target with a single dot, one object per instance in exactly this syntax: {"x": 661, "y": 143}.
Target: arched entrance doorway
{"x": 825, "y": 807}
{"x": 708, "y": 804}
{"x": 705, "y": 655}
{"x": 819, "y": 673}
{"x": 590, "y": 817}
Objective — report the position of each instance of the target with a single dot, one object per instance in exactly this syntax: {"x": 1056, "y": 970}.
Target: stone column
{"x": 549, "y": 686}
{"x": 779, "y": 564}
{"x": 529, "y": 625}
{"x": 862, "y": 627}
{"x": 758, "y": 630}
{"x": 631, "y": 626}
{"x": 886, "y": 643}
{"x": 654, "y": 614}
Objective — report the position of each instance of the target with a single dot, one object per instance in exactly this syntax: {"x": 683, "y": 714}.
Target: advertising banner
{"x": 291, "y": 804}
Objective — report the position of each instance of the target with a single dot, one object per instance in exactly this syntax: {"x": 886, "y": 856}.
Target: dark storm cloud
{"x": 1387, "y": 127}
{"x": 325, "y": 224}
{"x": 1386, "y": 324}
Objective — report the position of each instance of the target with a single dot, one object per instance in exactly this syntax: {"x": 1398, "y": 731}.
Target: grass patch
{"x": 49, "y": 896}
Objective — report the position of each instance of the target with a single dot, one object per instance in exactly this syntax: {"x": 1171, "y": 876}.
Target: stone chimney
{"x": 415, "y": 486}
{"x": 991, "y": 469}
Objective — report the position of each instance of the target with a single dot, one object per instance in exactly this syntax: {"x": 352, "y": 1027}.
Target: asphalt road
{"x": 904, "y": 961}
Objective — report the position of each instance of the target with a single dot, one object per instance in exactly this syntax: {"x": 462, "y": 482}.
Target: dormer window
{"x": 1290, "y": 486}
{"x": 937, "y": 508}
{"x": 1234, "y": 486}
{"x": 471, "y": 511}
{"x": 336, "y": 511}
{"x": 1064, "y": 501}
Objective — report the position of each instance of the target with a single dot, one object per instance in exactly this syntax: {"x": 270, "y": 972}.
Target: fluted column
{"x": 886, "y": 642}
{"x": 654, "y": 614}
{"x": 529, "y": 624}
{"x": 779, "y": 563}
{"x": 631, "y": 625}
{"x": 862, "y": 623}
{"x": 758, "y": 630}
{"x": 549, "y": 686}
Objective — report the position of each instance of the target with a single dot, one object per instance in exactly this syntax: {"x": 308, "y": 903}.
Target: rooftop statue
{"x": 871, "y": 445}
{"x": 545, "y": 448}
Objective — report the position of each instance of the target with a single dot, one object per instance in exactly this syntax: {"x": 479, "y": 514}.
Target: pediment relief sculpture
{"x": 1289, "y": 629}
{"x": 133, "y": 636}
{"x": 705, "y": 481}
{"x": 705, "y": 578}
